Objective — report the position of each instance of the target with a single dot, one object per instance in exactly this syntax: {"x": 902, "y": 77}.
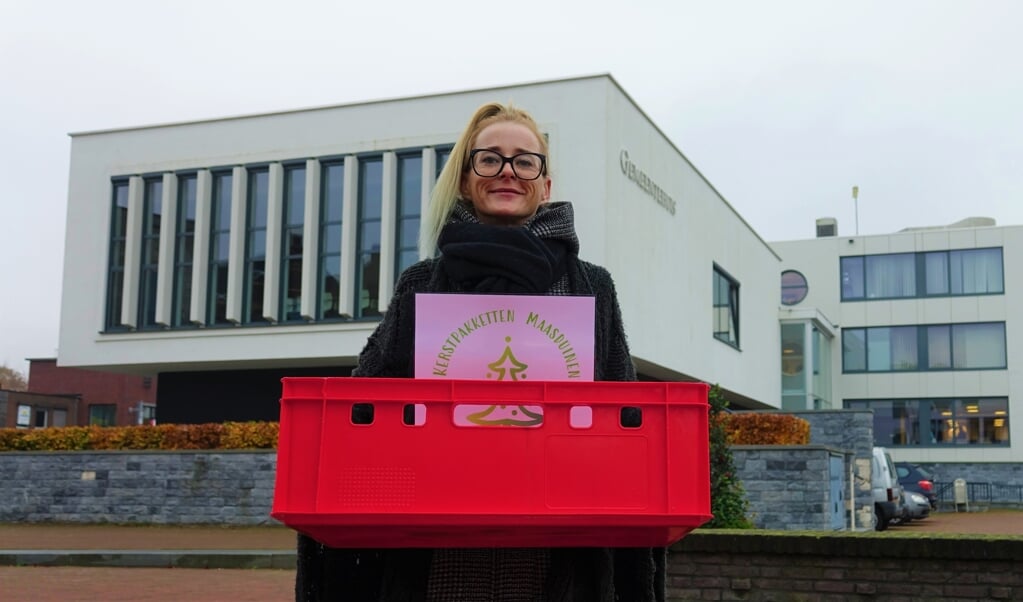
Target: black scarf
{"x": 500, "y": 259}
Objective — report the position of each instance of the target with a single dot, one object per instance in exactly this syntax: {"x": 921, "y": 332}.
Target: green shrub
{"x": 728, "y": 501}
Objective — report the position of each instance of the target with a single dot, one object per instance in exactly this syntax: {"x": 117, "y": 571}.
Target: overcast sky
{"x": 782, "y": 105}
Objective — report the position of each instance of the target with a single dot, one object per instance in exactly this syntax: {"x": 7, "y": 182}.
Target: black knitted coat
{"x": 572, "y": 574}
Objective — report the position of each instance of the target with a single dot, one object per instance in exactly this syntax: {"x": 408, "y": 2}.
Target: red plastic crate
{"x": 391, "y": 484}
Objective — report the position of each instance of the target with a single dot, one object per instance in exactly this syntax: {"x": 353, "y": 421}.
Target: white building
{"x": 227, "y": 253}
{"x": 924, "y": 334}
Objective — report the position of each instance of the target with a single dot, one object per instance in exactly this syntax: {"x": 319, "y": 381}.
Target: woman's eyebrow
{"x": 517, "y": 150}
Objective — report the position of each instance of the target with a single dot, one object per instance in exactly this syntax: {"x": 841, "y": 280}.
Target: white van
{"x": 888, "y": 501}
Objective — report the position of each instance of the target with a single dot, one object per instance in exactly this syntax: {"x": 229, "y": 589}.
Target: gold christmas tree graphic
{"x": 507, "y": 367}
{"x": 508, "y": 357}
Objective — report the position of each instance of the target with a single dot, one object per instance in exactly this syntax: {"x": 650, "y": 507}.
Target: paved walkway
{"x": 227, "y": 557}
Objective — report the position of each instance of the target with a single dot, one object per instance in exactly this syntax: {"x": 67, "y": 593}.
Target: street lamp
{"x": 856, "y": 207}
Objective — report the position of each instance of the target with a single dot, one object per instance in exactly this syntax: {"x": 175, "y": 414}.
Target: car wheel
{"x": 880, "y": 523}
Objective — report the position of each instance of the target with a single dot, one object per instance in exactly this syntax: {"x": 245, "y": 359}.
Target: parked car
{"x": 917, "y": 506}
{"x": 918, "y": 479}
{"x": 888, "y": 503}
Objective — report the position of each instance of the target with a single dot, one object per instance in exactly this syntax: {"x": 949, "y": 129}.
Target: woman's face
{"x": 504, "y": 199}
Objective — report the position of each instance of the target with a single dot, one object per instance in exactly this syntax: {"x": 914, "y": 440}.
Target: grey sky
{"x": 783, "y": 106}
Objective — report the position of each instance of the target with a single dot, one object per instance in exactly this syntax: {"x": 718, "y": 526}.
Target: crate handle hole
{"x": 413, "y": 414}
{"x": 580, "y": 417}
{"x": 631, "y": 417}
{"x": 362, "y": 413}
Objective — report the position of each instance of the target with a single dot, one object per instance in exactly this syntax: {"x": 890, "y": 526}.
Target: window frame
{"x": 923, "y": 347}
{"x": 729, "y": 337}
{"x": 853, "y": 274}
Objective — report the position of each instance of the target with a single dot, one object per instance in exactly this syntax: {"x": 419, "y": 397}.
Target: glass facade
{"x": 916, "y": 275}
{"x": 292, "y": 236}
{"x": 327, "y": 290}
{"x": 183, "y": 248}
{"x": 152, "y": 214}
{"x": 220, "y": 249}
{"x": 331, "y": 204}
{"x": 255, "y": 244}
{"x": 972, "y": 346}
{"x": 367, "y": 264}
{"x": 118, "y": 240}
{"x": 939, "y": 422}
{"x": 410, "y": 182}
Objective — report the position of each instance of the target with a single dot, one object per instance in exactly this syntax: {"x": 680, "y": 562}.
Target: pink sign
{"x": 503, "y": 337}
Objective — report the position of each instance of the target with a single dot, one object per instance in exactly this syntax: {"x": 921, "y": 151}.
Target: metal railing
{"x": 982, "y": 493}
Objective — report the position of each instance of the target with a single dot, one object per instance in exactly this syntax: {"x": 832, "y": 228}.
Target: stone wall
{"x": 159, "y": 487}
{"x": 788, "y": 487}
{"x": 816, "y": 567}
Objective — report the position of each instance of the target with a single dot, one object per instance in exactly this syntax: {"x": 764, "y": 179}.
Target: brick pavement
{"x": 82, "y": 584}
{"x": 64, "y": 583}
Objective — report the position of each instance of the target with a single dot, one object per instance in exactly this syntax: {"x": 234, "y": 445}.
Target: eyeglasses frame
{"x": 508, "y": 161}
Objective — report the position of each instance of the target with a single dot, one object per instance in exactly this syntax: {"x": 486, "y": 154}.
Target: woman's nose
{"x": 507, "y": 170}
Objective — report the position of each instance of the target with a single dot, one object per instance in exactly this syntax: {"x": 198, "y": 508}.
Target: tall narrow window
{"x": 367, "y": 265}
{"x": 410, "y": 178}
{"x": 726, "y": 308}
{"x": 332, "y": 185}
{"x": 183, "y": 245}
{"x": 220, "y": 245}
{"x": 118, "y": 237}
{"x": 291, "y": 246}
{"x": 443, "y": 154}
{"x": 152, "y": 213}
{"x": 255, "y": 245}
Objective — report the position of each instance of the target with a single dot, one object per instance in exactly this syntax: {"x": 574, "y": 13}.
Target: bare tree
{"x": 11, "y": 379}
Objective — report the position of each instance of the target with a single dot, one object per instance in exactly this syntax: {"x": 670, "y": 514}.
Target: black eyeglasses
{"x": 525, "y": 166}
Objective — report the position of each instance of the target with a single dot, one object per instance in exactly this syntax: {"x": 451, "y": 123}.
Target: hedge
{"x": 758, "y": 428}
{"x": 752, "y": 428}
{"x": 226, "y": 435}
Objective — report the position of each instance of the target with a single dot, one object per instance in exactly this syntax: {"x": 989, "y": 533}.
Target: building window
{"x": 938, "y": 422}
{"x": 443, "y": 154}
{"x": 118, "y": 239}
{"x": 726, "y": 308}
{"x": 367, "y": 265}
{"x": 152, "y": 213}
{"x": 183, "y": 247}
{"x": 332, "y": 185}
{"x": 220, "y": 249}
{"x": 409, "y": 202}
{"x": 102, "y": 414}
{"x": 255, "y": 245}
{"x": 148, "y": 414}
{"x": 793, "y": 287}
{"x": 975, "y": 346}
{"x": 291, "y": 247}
{"x": 918, "y": 275}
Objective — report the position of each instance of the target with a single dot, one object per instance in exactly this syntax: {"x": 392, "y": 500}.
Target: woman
{"x": 491, "y": 217}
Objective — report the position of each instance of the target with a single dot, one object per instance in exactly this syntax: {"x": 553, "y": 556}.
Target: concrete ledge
{"x": 188, "y": 559}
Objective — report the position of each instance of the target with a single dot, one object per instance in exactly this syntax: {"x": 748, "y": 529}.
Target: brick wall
{"x": 815, "y": 567}
{"x": 94, "y": 387}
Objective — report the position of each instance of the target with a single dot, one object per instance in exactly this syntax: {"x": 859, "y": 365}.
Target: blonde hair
{"x": 447, "y": 190}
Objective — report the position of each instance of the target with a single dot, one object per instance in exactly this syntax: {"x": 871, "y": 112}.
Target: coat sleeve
{"x": 389, "y": 351}
{"x": 614, "y": 359}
